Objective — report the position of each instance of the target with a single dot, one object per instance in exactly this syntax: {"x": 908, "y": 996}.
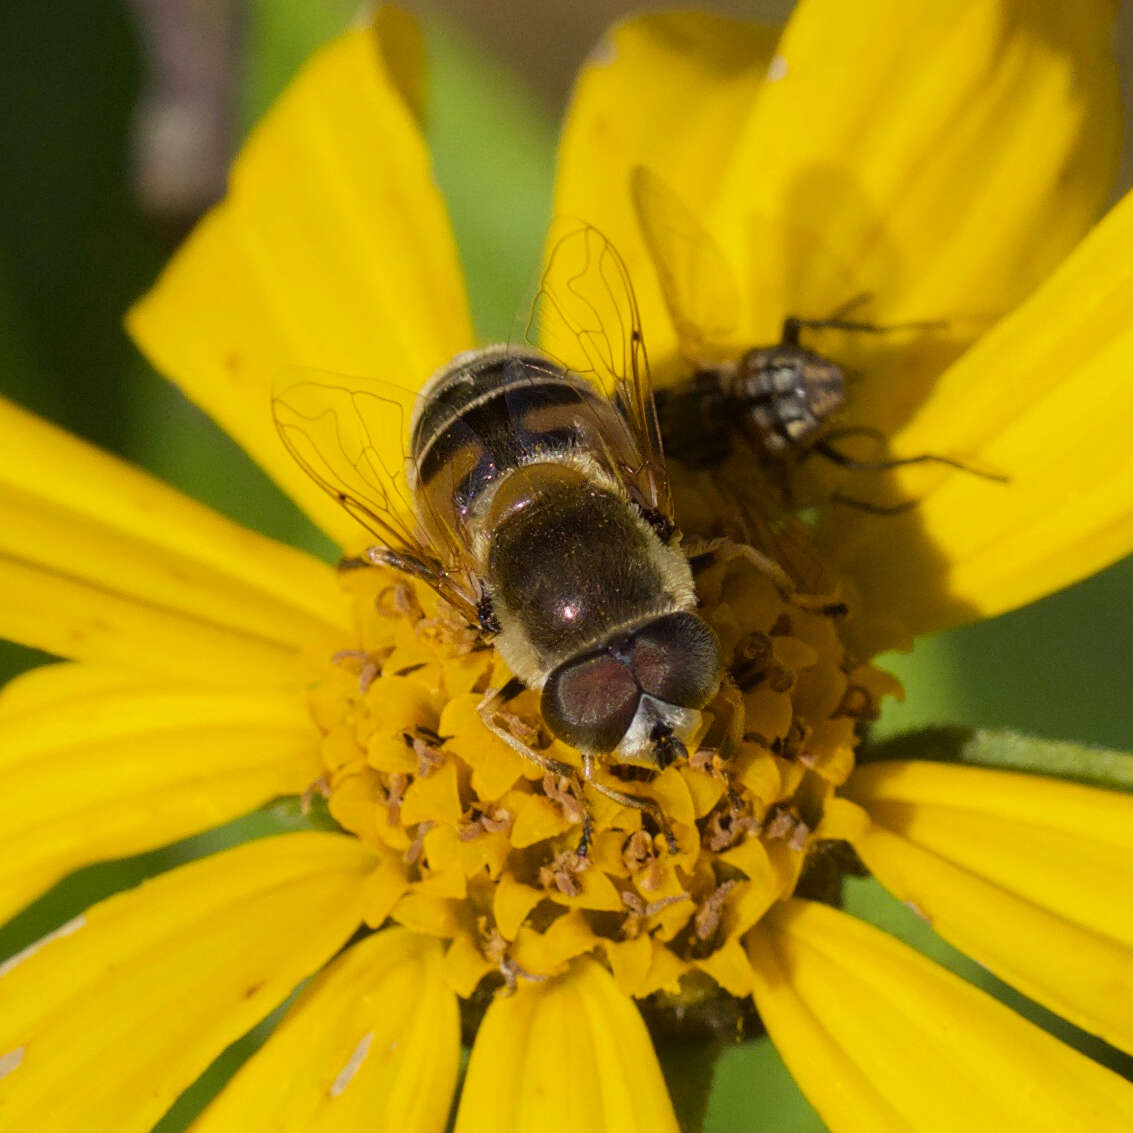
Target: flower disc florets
{"x": 480, "y": 844}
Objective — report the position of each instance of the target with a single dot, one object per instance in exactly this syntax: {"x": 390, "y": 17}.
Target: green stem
{"x": 689, "y": 1067}
{"x": 1010, "y": 751}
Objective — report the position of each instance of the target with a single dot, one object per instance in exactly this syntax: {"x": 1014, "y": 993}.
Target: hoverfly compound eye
{"x": 590, "y": 703}
{"x": 676, "y": 659}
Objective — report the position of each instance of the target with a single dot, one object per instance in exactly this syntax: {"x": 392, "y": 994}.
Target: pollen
{"x": 485, "y": 848}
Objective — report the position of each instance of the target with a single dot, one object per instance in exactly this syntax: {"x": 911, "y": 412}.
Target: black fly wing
{"x": 350, "y": 435}
{"x": 585, "y": 317}
{"x": 696, "y": 280}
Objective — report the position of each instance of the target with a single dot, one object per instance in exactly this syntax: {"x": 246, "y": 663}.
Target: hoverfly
{"x": 782, "y": 399}
{"x": 534, "y": 499}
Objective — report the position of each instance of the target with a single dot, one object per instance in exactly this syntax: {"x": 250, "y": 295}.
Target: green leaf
{"x": 1010, "y": 751}
{"x": 281, "y": 36}
{"x": 1057, "y": 667}
{"x": 494, "y": 150}
{"x": 752, "y": 1089}
{"x": 689, "y": 1070}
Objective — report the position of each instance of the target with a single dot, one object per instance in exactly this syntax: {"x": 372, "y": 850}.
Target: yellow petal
{"x": 128, "y": 763}
{"x": 332, "y": 250}
{"x": 547, "y": 953}
{"x": 73, "y": 618}
{"x": 1044, "y": 399}
{"x": 595, "y": 891}
{"x": 566, "y": 1055}
{"x": 938, "y": 158}
{"x": 1032, "y": 877}
{"x": 880, "y": 1038}
{"x": 91, "y": 549}
{"x": 465, "y": 965}
{"x": 429, "y": 916}
{"x": 73, "y": 482}
{"x": 433, "y": 798}
{"x": 101, "y": 1028}
{"x": 629, "y": 961}
{"x": 373, "y": 1043}
{"x": 536, "y": 818}
{"x": 495, "y": 766}
{"x": 511, "y": 903}
{"x": 664, "y": 972}
{"x": 384, "y": 888}
{"x": 668, "y": 90}
{"x": 730, "y": 967}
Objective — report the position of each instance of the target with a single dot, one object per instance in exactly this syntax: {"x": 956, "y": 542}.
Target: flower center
{"x": 481, "y": 845}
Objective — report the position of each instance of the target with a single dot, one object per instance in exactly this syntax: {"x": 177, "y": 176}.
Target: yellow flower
{"x": 943, "y": 159}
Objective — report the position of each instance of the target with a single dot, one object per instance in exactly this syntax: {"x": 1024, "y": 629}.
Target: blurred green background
{"x": 98, "y": 185}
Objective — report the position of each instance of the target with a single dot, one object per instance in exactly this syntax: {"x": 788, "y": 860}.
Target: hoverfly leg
{"x": 661, "y": 523}
{"x": 486, "y": 616}
{"x": 502, "y": 695}
{"x": 583, "y": 847}
{"x": 704, "y": 554}
{"x": 407, "y": 564}
{"x": 488, "y": 709}
{"x": 589, "y": 767}
{"x": 396, "y": 560}
{"x": 667, "y": 749}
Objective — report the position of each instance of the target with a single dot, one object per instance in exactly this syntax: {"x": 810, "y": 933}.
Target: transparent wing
{"x": 697, "y": 283}
{"x": 350, "y": 435}
{"x": 585, "y": 317}
{"x": 742, "y": 500}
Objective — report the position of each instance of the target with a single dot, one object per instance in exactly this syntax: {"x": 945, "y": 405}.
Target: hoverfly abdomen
{"x": 492, "y": 411}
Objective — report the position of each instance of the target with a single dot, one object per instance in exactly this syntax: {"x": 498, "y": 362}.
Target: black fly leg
{"x": 871, "y": 508}
{"x": 793, "y": 326}
{"x": 844, "y": 460}
{"x": 826, "y": 449}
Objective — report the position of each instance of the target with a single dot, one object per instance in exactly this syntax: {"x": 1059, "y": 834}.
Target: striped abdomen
{"x": 496, "y": 410}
